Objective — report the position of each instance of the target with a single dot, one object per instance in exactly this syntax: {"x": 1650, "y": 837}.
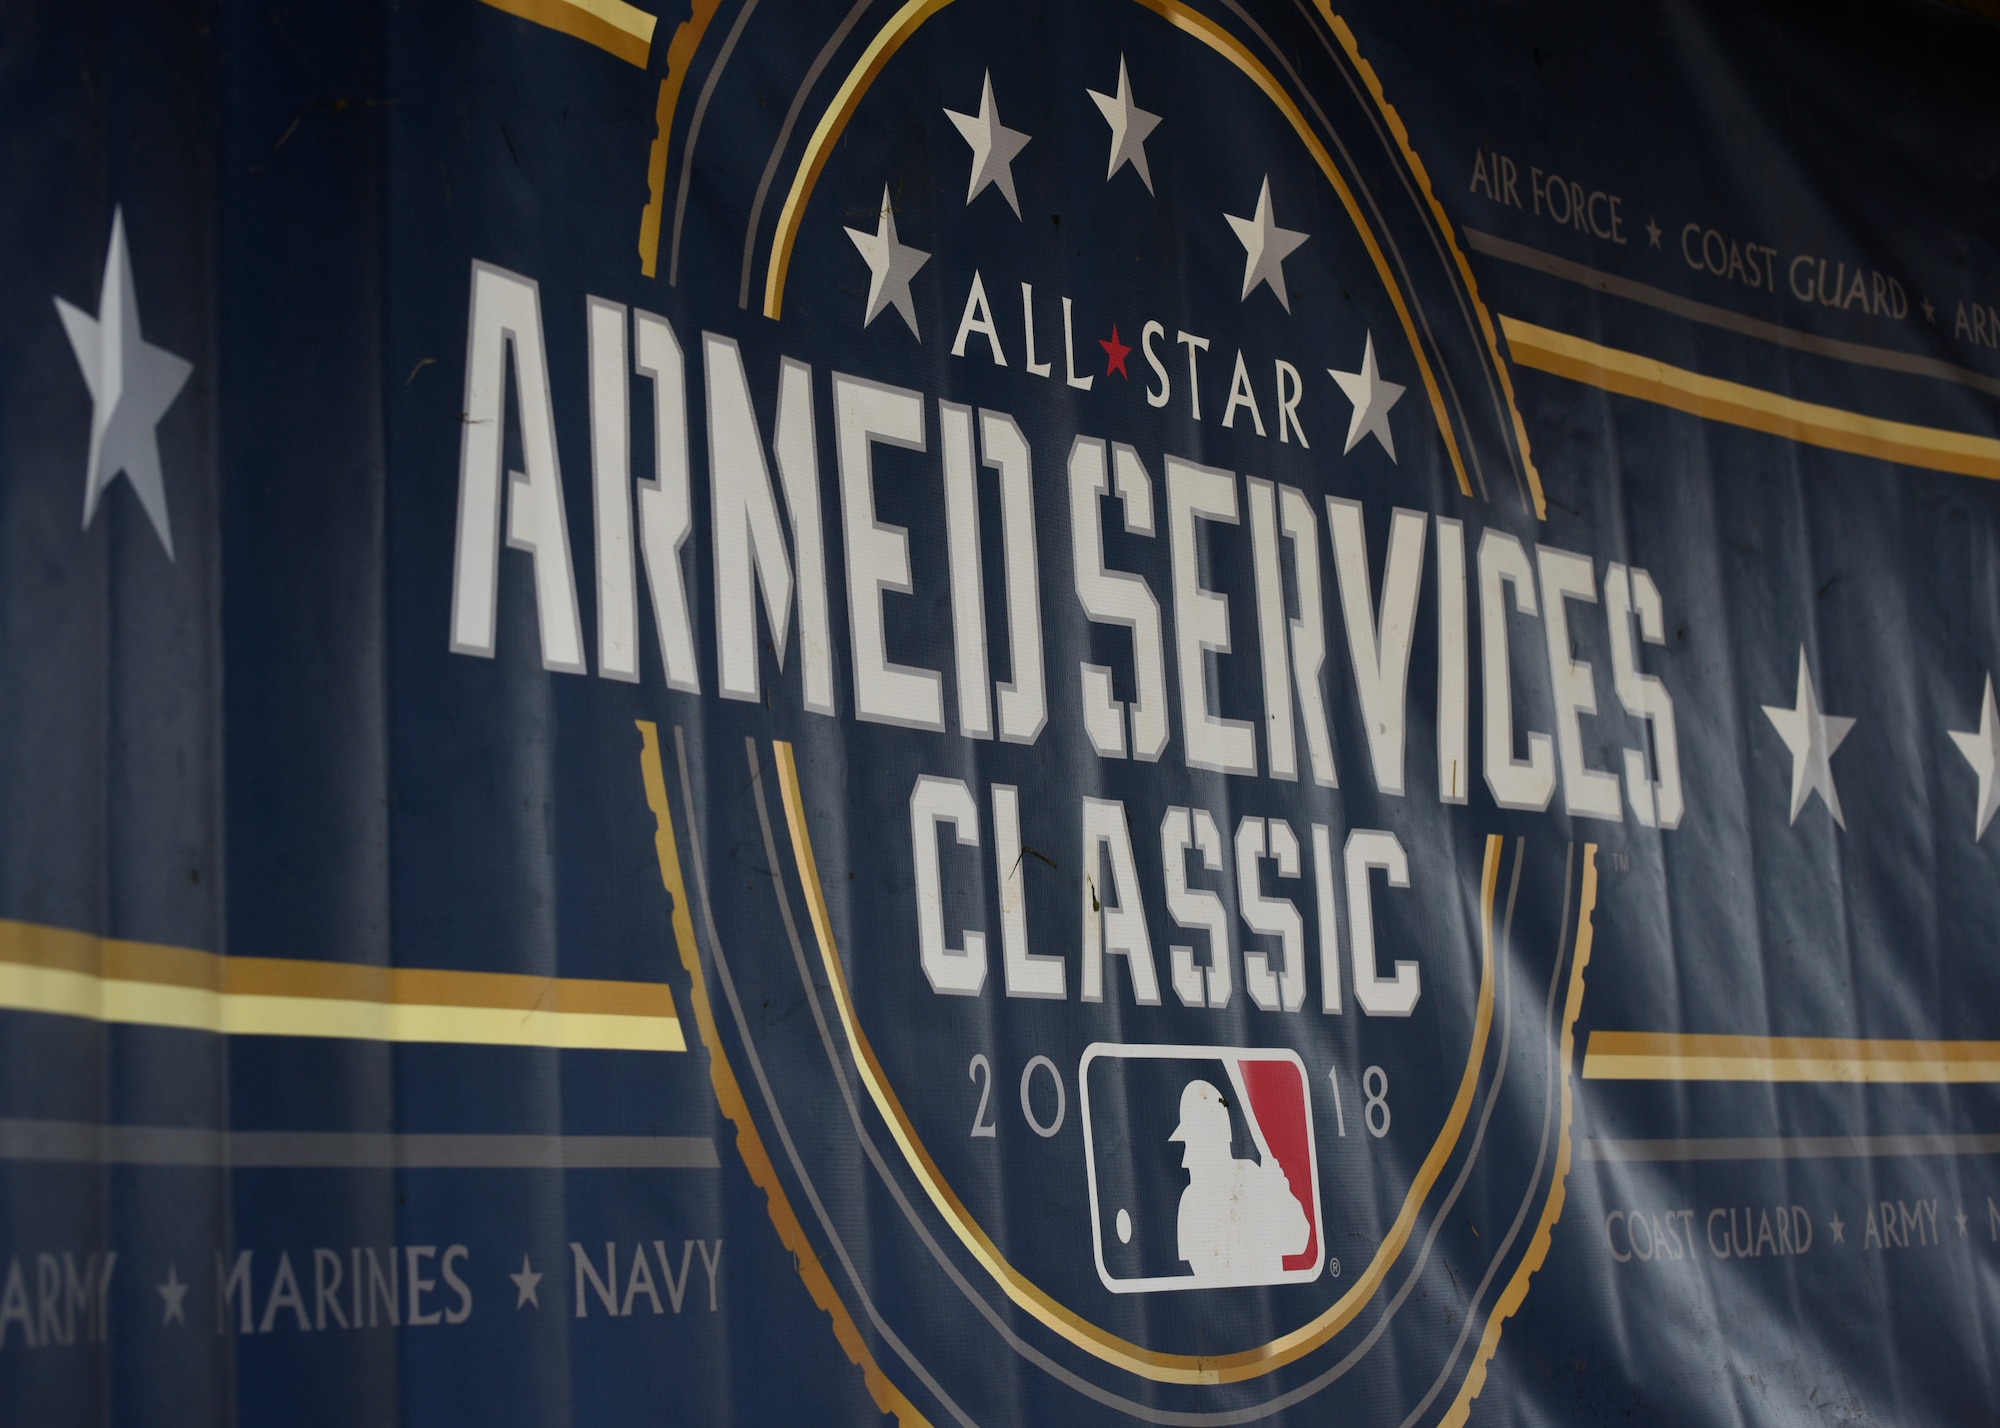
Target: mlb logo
{"x": 1202, "y": 1165}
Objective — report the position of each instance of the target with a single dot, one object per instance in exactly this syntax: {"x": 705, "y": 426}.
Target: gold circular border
{"x": 1151, "y": 1364}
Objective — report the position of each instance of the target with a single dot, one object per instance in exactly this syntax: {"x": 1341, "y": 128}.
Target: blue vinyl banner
{"x": 1178, "y": 712}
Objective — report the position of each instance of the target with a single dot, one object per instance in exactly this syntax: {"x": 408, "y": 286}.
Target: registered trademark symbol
{"x": 1332, "y": 1267}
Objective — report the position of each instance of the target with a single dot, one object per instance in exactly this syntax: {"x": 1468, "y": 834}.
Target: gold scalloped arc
{"x": 749, "y": 1143}
{"x": 1516, "y": 1292}
{"x": 680, "y": 59}
{"x": 1188, "y": 21}
{"x": 1155, "y": 1365}
{"x": 1402, "y": 134}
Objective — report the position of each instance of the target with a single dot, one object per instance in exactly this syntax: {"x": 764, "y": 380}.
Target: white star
{"x": 1129, "y": 127}
{"x": 1265, "y": 247}
{"x": 1372, "y": 398}
{"x": 1982, "y": 751}
{"x": 891, "y": 265}
{"x": 132, "y": 383}
{"x": 1961, "y": 1223}
{"x": 994, "y": 146}
{"x": 525, "y": 1283}
{"x": 1838, "y": 1227}
{"x": 172, "y": 1293}
{"x": 1812, "y": 737}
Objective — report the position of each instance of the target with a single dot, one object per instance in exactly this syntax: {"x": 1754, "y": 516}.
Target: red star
{"x": 1115, "y": 353}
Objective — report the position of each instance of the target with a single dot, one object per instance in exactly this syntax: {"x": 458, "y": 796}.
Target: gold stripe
{"x": 1631, "y": 375}
{"x": 729, "y": 1095}
{"x": 1148, "y": 1363}
{"x": 914, "y": 13}
{"x": 611, "y": 25}
{"x": 65, "y": 973}
{"x": 1669, "y": 1056}
{"x": 680, "y": 58}
{"x": 1516, "y": 1292}
{"x": 1402, "y": 134}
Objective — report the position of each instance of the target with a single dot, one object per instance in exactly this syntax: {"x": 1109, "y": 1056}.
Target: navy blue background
{"x": 264, "y": 748}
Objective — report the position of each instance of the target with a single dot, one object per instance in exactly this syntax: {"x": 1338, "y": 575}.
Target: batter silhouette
{"x": 1238, "y": 1218}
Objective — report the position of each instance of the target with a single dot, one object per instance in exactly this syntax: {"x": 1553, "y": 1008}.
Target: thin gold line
{"x": 680, "y": 59}
{"x": 913, "y": 14}
{"x": 31, "y": 944}
{"x": 1396, "y": 127}
{"x": 1233, "y": 50}
{"x": 1779, "y": 1069}
{"x": 611, "y": 25}
{"x": 54, "y": 992}
{"x": 887, "y": 41}
{"x": 1631, "y": 375}
{"x": 1669, "y": 1056}
{"x": 729, "y": 1095}
{"x": 57, "y": 971}
{"x": 1516, "y": 1292}
{"x": 1671, "y": 1043}
{"x": 1148, "y": 1363}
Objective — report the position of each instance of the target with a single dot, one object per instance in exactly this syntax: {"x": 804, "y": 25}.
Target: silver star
{"x": 525, "y": 1283}
{"x": 994, "y": 146}
{"x": 1982, "y": 751}
{"x": 1372, "y": 398}
{"x": 1838, "y": 1228}
{"x": 172, "y": 1294}
{"x": 1653, "y": 232}
{"x": 1961, "y": 1223}
{"x": 131, "y": 382}
{"x": 1265, "y": 247}
{"x": 1129, "y": 127}
{"x": 891, "y": 265}
{"x": 1812, "y": 737}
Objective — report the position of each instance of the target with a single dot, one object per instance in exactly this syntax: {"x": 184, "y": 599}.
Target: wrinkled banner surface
{"x": 1106, "y": 711}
